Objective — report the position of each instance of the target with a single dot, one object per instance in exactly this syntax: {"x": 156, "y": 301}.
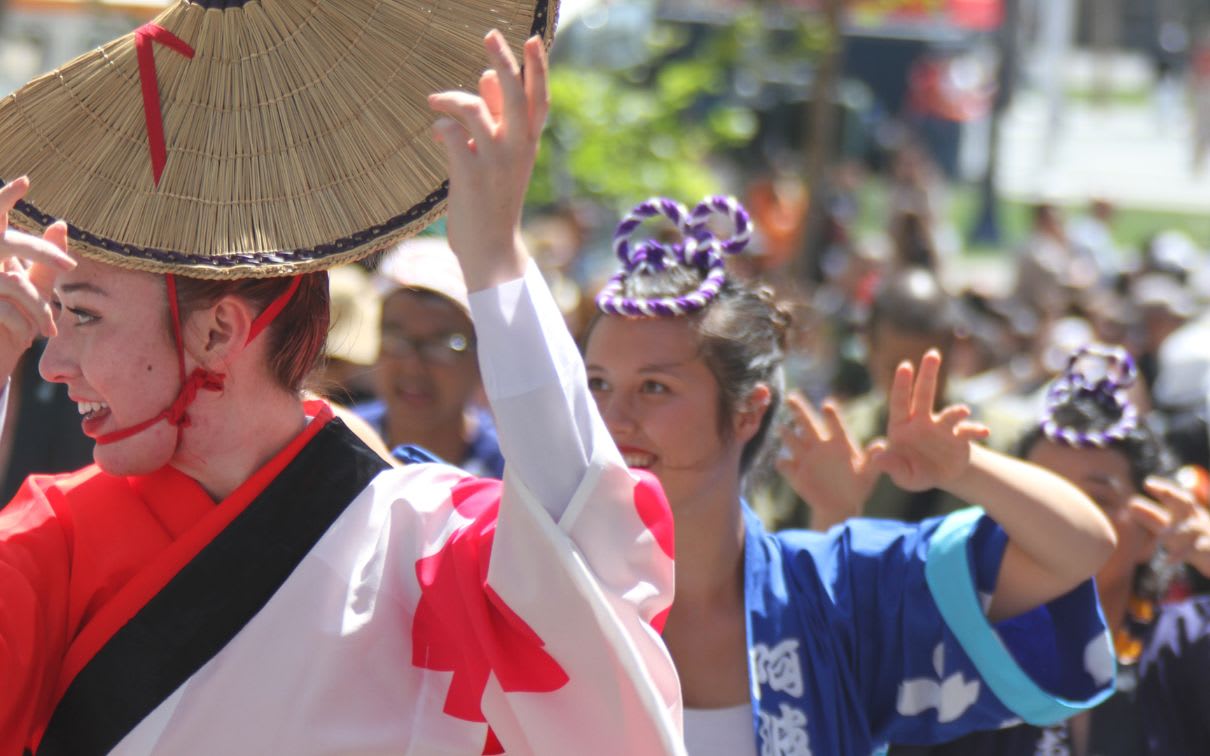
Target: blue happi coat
{"x": 875, "y": 632}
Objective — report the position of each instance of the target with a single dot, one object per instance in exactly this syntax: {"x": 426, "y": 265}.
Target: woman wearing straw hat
{"x": 237, "y": 573}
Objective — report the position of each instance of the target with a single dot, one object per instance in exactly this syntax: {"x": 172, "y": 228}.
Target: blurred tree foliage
{"x": 655, "y": 124}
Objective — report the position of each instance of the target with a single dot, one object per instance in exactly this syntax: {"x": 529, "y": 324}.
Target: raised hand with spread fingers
{"x": 823, "y": 464}
{"x": 924, "y": 449}
{"x": 1179, "y": 524}
{"x": 1056, "y": 535}
{"x": 491, "y": 140}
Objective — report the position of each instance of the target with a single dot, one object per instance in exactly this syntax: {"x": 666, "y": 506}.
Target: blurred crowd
{"x": 401, "y": 349}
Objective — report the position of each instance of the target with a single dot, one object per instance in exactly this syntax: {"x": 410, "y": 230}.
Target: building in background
{"x": 37, "y": 36}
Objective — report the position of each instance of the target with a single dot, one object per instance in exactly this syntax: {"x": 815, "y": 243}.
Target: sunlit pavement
{"x": 1134, "y": 154}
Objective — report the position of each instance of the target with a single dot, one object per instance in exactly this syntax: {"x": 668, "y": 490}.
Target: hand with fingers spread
{"x": 924, "y": 449}
{"x": 1180, "y": 526}
{"x": 822, "y": 463}
{"x": 27, "y": 270}
{"x": 491, "y": 140}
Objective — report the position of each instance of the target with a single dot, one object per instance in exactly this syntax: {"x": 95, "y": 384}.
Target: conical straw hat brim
{"x": 298, "y": 136}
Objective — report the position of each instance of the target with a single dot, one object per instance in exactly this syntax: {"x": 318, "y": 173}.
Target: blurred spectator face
{"x": 891, "y": 345}
{"x": 1048, "y": 220}
{"x": 1114, "y": 319}
{"x": 427, "y": 371}
{"x": 1165, "y": 304}
{"x": 911, "y": 314}
{"x": 778, "y": 202}
{"x": 553, "y": 240}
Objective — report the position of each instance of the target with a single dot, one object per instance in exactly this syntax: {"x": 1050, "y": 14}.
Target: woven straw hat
{"x": 232, "y": 139}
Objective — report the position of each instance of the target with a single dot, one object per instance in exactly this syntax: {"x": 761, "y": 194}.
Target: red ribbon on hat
{"x": 144, "y": 36}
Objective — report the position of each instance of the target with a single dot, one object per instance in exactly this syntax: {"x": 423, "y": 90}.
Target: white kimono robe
{"x": 334, "y": 604}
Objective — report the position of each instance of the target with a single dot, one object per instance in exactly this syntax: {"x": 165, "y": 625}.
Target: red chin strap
{"x": 200, "y": 379}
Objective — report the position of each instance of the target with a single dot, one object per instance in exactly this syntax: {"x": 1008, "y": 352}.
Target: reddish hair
{"x": 296, "y": 336}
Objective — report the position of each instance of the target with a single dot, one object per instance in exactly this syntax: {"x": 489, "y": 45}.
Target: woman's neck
{"x": 233, "y": 436}
{"x": 706, "y": 628}
{"x": 709, "y": 548}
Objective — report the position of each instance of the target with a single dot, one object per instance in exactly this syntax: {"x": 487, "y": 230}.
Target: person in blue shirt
{"x": 802, "y": 643}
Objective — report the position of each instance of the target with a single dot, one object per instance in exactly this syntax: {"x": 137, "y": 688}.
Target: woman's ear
{"x": 219, "y": 332}
{"x": 751, "y": 412}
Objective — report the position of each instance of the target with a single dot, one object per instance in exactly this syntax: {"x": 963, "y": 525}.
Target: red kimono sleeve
{"x": 34, "y": 570}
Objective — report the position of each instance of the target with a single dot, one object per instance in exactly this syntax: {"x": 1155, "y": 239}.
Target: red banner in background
{"x": 979, "y": 15}
{"x": 910, "y": 16}
{"x": 976, "y": 14}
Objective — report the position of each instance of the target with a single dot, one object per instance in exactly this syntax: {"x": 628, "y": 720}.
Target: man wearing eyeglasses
{"x": 427, "y": 374}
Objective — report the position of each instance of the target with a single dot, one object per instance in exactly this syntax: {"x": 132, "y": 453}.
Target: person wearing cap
{"x": 347, "y": 373}
{"x": 426, "y": 371}
{"x": 1165, "y": 305}
{"x": 238, "y": 573}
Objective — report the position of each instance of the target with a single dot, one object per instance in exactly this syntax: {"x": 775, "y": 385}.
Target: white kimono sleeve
{"x": 583, "y": 549}
{"x": 4, "y": 405}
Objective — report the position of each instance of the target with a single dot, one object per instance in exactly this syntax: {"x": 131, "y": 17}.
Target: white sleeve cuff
{"x": 523, "y": 342}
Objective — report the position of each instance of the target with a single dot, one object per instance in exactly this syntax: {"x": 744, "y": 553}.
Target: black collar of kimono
{"x": 211, "y": 599}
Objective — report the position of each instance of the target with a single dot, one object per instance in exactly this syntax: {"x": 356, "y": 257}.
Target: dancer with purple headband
{"x": 838, "y": 643}
{"x": 1092, "y": 435}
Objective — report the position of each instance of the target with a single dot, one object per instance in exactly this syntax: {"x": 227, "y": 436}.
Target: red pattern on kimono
{"x": 87, "y": 555}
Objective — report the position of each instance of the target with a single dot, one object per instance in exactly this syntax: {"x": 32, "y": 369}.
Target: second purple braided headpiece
{"x": 1119, "y": 374}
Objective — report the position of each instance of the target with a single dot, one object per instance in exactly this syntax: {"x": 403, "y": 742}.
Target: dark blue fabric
{"x": 1174, "y": 680}
{"x": 1161, "y": 709}
{"x": 849, "y": 650}
{"x": 483, "y": 457}
{"x": 410, "y": 454}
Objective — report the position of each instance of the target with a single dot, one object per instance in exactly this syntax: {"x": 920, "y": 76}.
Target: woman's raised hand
{"x": 491, "y": 140}
{"x": 924, "y": 449}
{"x": 27, "y": 271}
{"x": 822, "y": 463}
{"x": 1180, "y": 525}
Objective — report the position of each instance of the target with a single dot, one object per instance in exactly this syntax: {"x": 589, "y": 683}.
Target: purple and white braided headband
{"x": 1120, "y": 374}
{"x": 699, "y": 248}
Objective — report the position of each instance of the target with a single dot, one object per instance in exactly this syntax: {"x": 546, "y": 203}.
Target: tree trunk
{"x": 822, "y": 134}
{"x": 987, "y": 224}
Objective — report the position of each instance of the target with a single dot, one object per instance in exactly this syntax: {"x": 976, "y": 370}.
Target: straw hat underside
{"x": 297, "y": 137}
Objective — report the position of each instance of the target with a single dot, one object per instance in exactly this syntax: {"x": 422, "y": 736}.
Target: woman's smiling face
{"x": 116, "y": 356}
{"x": 660, "y": 402}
